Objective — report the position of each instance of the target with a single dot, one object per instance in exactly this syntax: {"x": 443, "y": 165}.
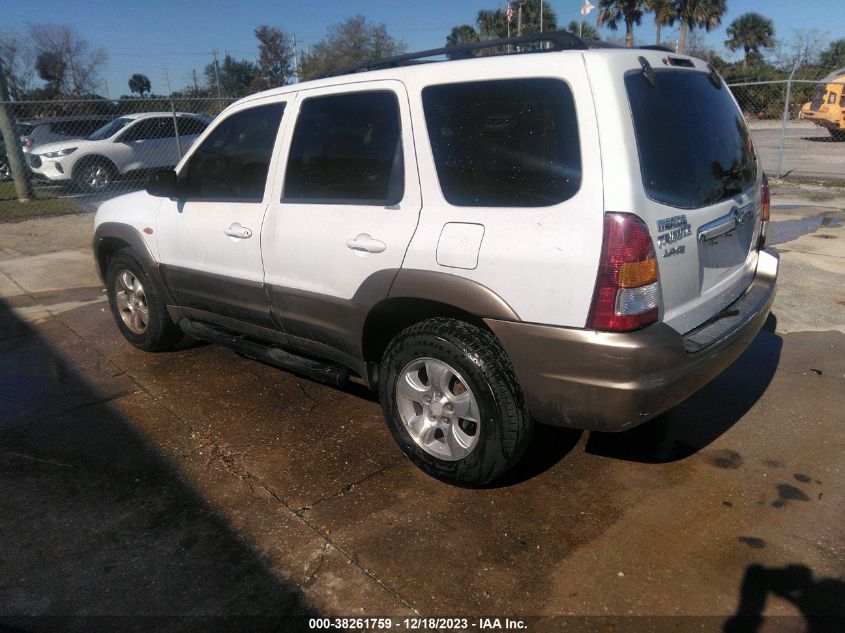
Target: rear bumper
{"x": 613, "y": 381}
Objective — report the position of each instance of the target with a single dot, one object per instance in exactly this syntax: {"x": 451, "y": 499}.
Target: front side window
{"x": 504, "y": 143}
{"x": 110, "y": 129}
{"x": 149, "y": 129}
{"x": 233, "y": 161}
{"x": 347, "y": 149}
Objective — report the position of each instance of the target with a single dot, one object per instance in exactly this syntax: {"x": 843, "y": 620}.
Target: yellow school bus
{"x": 827, "y": 109}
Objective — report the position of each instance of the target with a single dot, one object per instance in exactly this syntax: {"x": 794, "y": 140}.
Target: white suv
{"x": 127, "y": 145}
{"x": 573, "y": 237}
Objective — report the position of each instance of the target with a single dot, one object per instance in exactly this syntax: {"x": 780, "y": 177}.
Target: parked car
{"x": 827, "y": 108}
{"x": 52, "y": 130}
{"x": 573, "y": 236}
{"x": 129, "y": 145}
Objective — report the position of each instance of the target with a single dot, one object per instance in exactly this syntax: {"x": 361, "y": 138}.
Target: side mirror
{"x": 162, "y": 184}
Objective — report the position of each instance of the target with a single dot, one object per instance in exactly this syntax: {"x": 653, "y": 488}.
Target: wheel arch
{"x": 419, "y": 295}
{"x": 111, "y": 237}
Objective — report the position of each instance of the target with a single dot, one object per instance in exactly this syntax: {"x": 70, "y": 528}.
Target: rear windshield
{"x": 694, "y": 147}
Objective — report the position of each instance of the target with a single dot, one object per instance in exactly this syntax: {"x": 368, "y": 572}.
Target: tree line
{"x": 68, "y": 67}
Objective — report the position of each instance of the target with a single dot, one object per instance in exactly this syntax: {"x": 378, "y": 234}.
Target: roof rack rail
{"x": 657, "y": 47}
{"x": 559, "y": 40}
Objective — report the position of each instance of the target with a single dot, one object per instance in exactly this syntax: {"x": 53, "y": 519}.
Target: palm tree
{"x": 492, "y": 24}
{"x": 463, "y": 34}
{"x": 706, "y": 14}
{"x": 750, "y": 32}
{"x": 611, "y": 12}
{"x": 139, "y": 83}
{"x": 665, "y": 13}
{"x": 587, "y": 32}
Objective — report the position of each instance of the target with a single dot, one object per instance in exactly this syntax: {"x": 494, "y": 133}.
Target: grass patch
{"x": 832, "y": 183}
{"x": 45, "y": 203}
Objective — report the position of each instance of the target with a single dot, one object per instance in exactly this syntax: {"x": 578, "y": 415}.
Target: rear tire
{"x": 136, "y": 305}
{"x": 453, "y": 403}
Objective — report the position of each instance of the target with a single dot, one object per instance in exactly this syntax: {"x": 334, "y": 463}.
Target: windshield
{"x": 694, "y": 147}
{"x": 110, "y": 129}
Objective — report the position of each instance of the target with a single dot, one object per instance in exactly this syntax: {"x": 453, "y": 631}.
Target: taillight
{"x": 27, "y": 142}
{"x": 765, "y": 212}
{"x": 626, "y": 289}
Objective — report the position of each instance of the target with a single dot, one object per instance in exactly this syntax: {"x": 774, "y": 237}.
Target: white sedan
{"x": 129, "y": 145}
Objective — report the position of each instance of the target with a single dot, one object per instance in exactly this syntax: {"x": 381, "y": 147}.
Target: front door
{"x": 210, "y": 238}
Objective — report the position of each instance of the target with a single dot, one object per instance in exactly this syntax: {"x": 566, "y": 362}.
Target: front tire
{"x": 837, "y": 135}
{"x": 453, "y": 403}
{"x": 94, "y": 175}
{"x": 136, "y": 305}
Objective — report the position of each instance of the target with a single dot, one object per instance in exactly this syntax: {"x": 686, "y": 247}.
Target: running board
{"x": 328, "y": 373}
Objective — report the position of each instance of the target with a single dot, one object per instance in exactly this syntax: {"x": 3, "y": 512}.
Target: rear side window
{"x": 189, "y": 126}
{"x": 233, "y": 161}
{"x": 693, "y": 145}
{"x": 347, "y": 149}
{"x": 504, "y": 143}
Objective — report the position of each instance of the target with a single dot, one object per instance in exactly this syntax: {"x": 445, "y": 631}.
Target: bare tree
{"x": 18, "y": 64}
{"x": 802, "y": 48}
{"x": 81, "y": 63}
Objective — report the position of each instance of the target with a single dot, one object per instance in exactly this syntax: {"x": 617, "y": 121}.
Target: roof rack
{"x": 558, "y": 40}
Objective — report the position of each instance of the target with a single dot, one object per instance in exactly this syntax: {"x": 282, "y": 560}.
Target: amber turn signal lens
{"x": 633, "y": 275}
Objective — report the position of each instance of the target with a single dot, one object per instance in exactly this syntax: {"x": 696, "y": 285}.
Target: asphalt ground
{"x": 808, "y": 150}
{"x": 199, "y": 490}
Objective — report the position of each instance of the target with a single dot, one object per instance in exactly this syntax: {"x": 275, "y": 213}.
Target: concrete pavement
{"x": 199, "y": 482}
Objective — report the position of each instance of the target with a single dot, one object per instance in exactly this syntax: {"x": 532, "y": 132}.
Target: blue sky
{"x": 176, "y": 36}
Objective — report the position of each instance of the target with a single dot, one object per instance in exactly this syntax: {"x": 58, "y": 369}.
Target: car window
{"x": 189, "y": 125}
{"x": 346, "y": 149}
{"x": 509, "y": 142}
{"x": 79, "y": 128}
{"x": 110, "y": 129}
{"x": 149, "y": 129}
{"x": 233, "y": 161}
{"x": 693, "y": 145}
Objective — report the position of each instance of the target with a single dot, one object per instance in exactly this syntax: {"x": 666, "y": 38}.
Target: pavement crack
{"x": 348, "y": 487}
{"x": 309, "y": 396}
{"x": 40, "y": 460}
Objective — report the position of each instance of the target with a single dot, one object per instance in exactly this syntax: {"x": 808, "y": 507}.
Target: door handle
{"x": 236, "y": 230}
{"x": 364, "y": 242}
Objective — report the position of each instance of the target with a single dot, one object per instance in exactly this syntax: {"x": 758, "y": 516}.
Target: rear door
{"x": 689, "y": 170}
{"x": 343, "y": 211}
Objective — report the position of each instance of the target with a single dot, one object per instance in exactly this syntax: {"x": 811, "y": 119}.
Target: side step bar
{"x": 328, "y": 373}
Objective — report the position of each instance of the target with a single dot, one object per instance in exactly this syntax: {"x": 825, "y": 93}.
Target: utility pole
{"x": 541, "y": 16}
{"x": 173, "y": 113}
{"x": 519, "y": 20}
{"x": 196, "y": 87}
{"x": 216, "y": 72}
{"x": 14, "y": 153}
{"x": 295, "y": 62}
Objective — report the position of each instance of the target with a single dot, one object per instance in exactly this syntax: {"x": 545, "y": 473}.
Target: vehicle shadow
{"x": 696, "y": 422}
{"x": 99, "y": 530}
{"x": 823, "y": 139}
{"x": 548, "y": 446}
{"x": 820, "y": 601}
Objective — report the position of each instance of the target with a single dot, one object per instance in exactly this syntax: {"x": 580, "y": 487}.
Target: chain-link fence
{"x": 101, "y": 146}
{"x": 798, "y": 126}
{"x": 107, "y": 147}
